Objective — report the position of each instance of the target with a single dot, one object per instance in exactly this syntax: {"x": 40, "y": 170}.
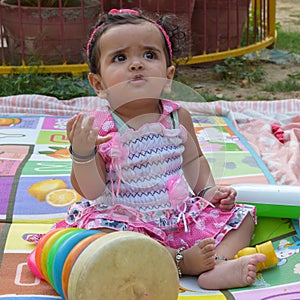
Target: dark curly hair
{"x": 178, "y": 38}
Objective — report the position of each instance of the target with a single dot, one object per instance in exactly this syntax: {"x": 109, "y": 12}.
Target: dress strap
{"x": 120, "y": 124}
{"x": 175, "y": 119}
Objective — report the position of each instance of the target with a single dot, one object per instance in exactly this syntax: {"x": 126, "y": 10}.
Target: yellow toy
{"x": 265, "y": 248}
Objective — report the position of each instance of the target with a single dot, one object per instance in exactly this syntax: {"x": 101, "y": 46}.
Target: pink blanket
{"x": 257, "y": 121}
{"x": 271, "y": 127}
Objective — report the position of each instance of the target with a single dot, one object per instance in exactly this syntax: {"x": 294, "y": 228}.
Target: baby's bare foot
{"x": 242, "y": 273}
{"x": 199, "y": 258}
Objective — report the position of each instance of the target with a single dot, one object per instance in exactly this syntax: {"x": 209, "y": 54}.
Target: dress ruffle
{"x": 203, "y": 221}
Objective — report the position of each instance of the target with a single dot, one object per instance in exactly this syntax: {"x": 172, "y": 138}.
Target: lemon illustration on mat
{"x": 62, "y": 197}
{"x": 40, "y": 189}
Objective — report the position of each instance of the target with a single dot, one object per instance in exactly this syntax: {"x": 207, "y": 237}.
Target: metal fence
{"x": 50, "y": 35}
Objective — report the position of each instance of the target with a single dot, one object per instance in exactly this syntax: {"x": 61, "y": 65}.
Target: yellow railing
{"x": 260, "y": 20}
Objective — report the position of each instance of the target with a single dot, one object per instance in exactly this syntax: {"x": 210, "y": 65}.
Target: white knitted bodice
{"x": 154, "y": 154}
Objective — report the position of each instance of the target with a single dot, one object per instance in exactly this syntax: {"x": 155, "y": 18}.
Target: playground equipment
{"x": 216, "y": 29}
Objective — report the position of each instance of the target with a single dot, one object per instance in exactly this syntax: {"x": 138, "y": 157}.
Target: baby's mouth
{"x": 138, "y": 78}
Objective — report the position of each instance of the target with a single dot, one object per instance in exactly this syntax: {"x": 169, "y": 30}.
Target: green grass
{"x": 287, "y": 85}
{"x": 60, "y": 86}
{"x": 236, "y": 69}
{"x": 288, "y": 41}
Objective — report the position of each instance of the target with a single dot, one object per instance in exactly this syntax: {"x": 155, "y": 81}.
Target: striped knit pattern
{"x": 155, "y": 153}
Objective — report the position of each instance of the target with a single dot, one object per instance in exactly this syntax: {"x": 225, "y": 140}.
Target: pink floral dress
{"x": 145, "y": 189}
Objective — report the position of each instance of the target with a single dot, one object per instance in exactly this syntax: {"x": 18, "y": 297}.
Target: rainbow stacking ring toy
{"x": 85, "y": 264}
{"x": 71, "y": 258}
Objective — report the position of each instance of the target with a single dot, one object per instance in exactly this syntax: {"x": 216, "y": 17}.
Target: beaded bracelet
{"x": 204, "y": 190}
{"x": 82, "y": 159}
{"x": 218, "y": 257}
{"x": 178, "y": 259}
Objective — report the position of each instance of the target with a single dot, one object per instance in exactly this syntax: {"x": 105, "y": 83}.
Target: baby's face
{"x": 133, "y": 62}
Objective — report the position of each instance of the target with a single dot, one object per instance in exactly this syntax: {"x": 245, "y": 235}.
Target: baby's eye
{"x": 119, "y": 58}
{"x": 149, "y": 55}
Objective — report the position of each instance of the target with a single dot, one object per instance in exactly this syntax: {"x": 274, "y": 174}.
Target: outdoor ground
{"x": 203, "y": 76}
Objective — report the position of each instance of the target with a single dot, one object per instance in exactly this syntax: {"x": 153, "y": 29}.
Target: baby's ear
{"x": 96, "y": 83}
{"x": 169, "y": 79}
{"x": 167, "y": 87}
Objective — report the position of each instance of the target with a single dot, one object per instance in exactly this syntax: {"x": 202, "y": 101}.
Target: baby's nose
{"x": 136, "y": 65}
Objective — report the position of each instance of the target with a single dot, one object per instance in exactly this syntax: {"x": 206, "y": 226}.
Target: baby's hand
{"x": 222, "y": 197}
{"x": 82, "y": 135}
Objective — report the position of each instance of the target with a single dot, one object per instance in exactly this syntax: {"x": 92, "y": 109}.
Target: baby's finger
{"x": 70, "y": 127}
{"x": 219, "y": 195}
{"x": 80, "y": 121}
{"x": 226, "y": 207}
{"x": 71, "y": 122}
{"x": 90, "y": 121}
{"x": 103, "y": 139}
{"x": 233, "y": 193}
{"x": 87, "y": 122}
{"x": 227, "y": 201}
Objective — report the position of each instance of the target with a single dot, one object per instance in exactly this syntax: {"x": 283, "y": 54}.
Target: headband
{"x": 132, "y": 12}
